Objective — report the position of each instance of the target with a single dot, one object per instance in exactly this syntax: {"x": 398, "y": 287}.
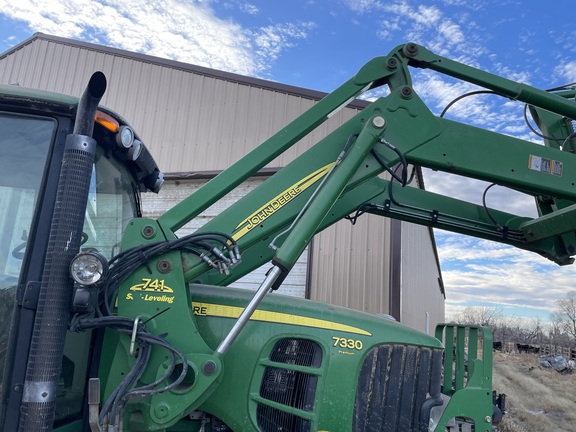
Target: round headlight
{"x": 88, "y": 268}
{"x": 125, "y": 137}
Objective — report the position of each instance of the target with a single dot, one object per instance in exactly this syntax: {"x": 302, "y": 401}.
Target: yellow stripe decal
{"x": 278, "y": 202}
{"x": 218, "y": 310}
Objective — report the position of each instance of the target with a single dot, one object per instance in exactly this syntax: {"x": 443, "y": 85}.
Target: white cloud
{"x": 429, "y": 15}
{"x": 270, "y": 41}
{"x": 249, "y": 8}
{"x": 185, "y": 31}
{"x": 426, "y": 25}
{"x": 360, "y": 6}
{"x": 455, "y": 2}
{"x": 482, "y": 272}
{"x": 451, "y": 32}
{"x": 567, "y": 71}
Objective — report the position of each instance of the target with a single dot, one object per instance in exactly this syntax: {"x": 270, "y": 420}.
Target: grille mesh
{"x": 301, "y": 352}
{"x": 275, "y": 420}
{"x": 288, "y": 387}
{"x": 294, "y": 389}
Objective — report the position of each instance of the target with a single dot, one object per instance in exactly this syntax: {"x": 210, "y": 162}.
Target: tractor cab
{"x": 33, "y": 127}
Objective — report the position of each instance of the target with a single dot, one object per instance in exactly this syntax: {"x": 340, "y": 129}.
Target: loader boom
{"x": 340, "y": 175}
{"x": 419, "y": 138}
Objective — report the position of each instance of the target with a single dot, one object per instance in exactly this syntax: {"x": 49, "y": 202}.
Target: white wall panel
{"x": 175, "y": 191}
{"x": 422, "y": 296}
{"x": 351, "y": 265}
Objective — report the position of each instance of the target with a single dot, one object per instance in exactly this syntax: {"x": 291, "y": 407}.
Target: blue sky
{"x": 319, "y": 44}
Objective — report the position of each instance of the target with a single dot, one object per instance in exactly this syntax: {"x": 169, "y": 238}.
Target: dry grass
{"x": 538, "y": 399}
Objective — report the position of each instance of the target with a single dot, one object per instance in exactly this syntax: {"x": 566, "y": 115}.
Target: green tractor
{"x": 113, "y": 323}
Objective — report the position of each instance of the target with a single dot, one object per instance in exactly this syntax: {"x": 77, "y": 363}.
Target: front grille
{"x": 397, "y": 386}
{"x": 291, "y": 388}
{"x": 275, "y": 420}
{"x": 288, "y": 387}
{"x": 301, "y": 352}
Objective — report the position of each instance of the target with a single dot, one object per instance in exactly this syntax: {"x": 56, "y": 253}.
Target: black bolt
{"x": 164, "y": 266}
{"x": 410, "y": 49}
{"x": 148, "y": 232}
{"x": 209, "y": 368}
{"x": 406, "y": 92}
{"x": 392, "y": 63}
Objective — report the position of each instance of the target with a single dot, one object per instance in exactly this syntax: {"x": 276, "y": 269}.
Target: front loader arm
{"x": 421, "y": 139}
{"x": 341, "y": 176}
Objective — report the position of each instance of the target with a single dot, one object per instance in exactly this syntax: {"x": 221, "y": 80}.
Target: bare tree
{"x": 531, "y": 331}
{"x": 483, "y": 315}
{"x": 566, "y": 314}
{"x": 505, "y": 330}
{"x": 556, "y": 334}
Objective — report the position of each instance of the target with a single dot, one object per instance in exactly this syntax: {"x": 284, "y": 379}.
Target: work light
{"x": 88, "y": 267}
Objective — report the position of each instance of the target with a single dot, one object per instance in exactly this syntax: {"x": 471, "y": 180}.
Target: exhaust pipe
{"x": 84, "y": 124}
{"x": 52, "y": 315}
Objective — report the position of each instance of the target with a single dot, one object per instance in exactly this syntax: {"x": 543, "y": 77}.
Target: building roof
{"x": 214, "y": 73}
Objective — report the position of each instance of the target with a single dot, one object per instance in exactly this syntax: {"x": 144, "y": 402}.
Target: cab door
{"x": 28, "y": 174}
{"x": 31, "y": 151}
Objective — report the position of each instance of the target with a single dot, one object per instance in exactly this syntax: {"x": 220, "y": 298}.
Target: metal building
{"x": 197, "y": 121}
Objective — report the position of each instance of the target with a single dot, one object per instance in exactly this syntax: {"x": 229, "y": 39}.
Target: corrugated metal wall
{"x": 193, "y": 121}
{"x": 420, "y": 279}
{"x": 189, "y": 122}
{"x": 175, "y": 191}
{"x": 352, "y": 265}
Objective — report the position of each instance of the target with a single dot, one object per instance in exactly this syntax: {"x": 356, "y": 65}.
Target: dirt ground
{"x": 538, "y": 398}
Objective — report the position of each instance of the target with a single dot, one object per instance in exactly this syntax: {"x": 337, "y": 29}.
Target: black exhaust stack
{"x": 47, "y": 348}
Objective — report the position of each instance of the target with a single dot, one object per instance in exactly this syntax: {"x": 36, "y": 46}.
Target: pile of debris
{"x": 557, "y": 362}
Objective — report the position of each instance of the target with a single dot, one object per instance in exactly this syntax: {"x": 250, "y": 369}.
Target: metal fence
{"x": 540, "y": 349}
